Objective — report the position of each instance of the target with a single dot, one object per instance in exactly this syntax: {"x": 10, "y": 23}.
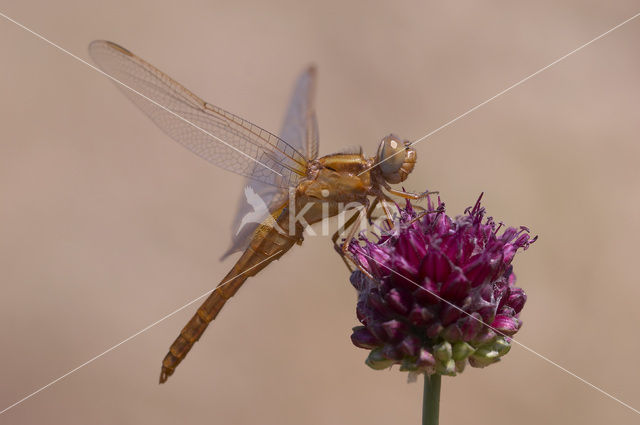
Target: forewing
{"x": 214, "y": 134}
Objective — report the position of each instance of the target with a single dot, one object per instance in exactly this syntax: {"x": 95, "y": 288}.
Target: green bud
{"x": 501, "y": 346}
{"x": 484, "y": 356}
{"x": 447, "y": 367}
{"x": 377, "y": 361}
{"x": 487, "y": 353}
{"x": 462, "y": 350}
{"x": 443, "y": 351}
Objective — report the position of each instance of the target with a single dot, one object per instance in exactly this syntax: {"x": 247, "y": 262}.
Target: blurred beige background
{"x": 106, "y": 225}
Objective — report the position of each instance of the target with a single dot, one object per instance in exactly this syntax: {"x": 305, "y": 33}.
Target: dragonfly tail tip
{"x": 164, "y": 376}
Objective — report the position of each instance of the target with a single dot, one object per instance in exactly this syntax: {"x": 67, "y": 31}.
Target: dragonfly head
{"x": 396, "y": 159}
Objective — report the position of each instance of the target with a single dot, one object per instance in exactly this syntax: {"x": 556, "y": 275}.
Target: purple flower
{"x": 436, "y": 293}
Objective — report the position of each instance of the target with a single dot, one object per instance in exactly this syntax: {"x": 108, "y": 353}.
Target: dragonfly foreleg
{"x": 424, "y": 212}
{"x": 409, "y": 195}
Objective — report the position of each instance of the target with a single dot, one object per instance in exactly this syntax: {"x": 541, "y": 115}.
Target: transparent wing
{"x": 274, "y": 198}
{"x": 300, "y": 130}
{"x": 214, "y": 134}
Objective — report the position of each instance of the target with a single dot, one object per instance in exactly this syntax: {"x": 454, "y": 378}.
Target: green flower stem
{"x": 431, "y": 399}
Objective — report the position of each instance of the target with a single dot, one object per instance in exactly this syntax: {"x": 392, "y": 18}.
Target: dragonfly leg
{"x": 349, "y": 222}
{"x": 358, "y": 217}
{"x": 344, "y": 249}
{"x": 387, "y": 211}
{"x": 337, "y": 234}
{"x": 423, "y": 213}
{"x": 373, "y": 206}
{"x": 409, "y": 195}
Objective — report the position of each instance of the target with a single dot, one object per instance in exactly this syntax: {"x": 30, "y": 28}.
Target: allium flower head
{"x": 434, "y": 285}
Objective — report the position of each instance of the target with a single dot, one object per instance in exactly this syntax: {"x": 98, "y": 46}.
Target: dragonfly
{"x": 284, "y": 172}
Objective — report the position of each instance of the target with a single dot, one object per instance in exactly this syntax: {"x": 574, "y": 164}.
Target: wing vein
{"x": 238, "y": 145}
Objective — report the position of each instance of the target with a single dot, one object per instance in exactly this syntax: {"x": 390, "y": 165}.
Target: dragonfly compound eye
{"x": 396, "y": 159}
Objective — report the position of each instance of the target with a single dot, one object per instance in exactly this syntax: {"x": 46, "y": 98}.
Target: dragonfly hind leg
{"x": 343, "y": 249}
{"x": 337, "y": 234}
{"x": 349, "y": 223}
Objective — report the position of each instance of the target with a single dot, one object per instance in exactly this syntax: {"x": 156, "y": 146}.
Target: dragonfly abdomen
{"x": 263, "y": 249}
